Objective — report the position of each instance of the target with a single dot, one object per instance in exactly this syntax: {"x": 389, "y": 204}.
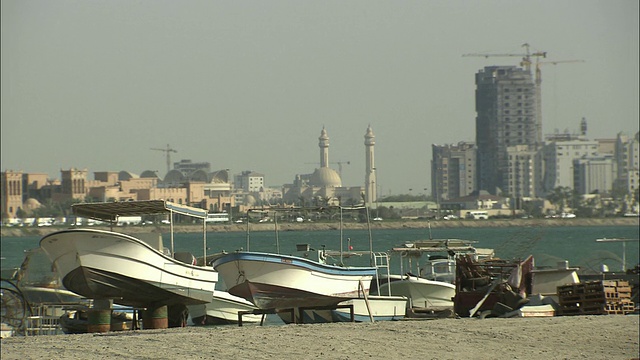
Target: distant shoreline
{"x": 313, "y": 226}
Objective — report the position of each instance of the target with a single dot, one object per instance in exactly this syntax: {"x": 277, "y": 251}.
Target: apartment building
{"x": 506, "y": 116}
{"x": 453, "y": 170}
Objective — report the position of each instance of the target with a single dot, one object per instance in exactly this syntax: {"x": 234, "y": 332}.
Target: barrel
{"x": 155, "y": 317}
{"x": 99, "y": 320}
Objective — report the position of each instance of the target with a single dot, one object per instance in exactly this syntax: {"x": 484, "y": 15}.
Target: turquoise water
{"x": 548, "y": 245}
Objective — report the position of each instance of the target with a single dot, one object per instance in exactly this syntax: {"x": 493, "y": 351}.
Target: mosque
{"x": 324, "y": 185}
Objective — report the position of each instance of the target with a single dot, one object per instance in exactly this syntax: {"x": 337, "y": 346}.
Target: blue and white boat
{"x": 277, "y": 281}
{"x": 274, "y": 281}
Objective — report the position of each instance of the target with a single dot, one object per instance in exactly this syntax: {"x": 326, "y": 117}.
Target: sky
{"x": 249, "y": 85}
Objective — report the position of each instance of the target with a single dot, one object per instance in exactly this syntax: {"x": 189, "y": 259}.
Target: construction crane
{"x": 340, "y": 163}
{"x": 539, "y": 84}
{"x": 168, "y": 151}
{"x": 540, "y": 63}
{"x": 526, "y": 57}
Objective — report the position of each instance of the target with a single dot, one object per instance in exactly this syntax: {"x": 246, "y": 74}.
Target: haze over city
{"x": 249, "y": 85}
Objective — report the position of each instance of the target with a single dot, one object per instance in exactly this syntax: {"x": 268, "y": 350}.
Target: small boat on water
{"x": 135, "y": 271}
{"x": 277, "y": 281}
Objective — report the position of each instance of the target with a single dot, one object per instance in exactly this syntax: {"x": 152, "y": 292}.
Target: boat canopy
{"x": 110, "y": 211}
{"x": 437, "y": 245}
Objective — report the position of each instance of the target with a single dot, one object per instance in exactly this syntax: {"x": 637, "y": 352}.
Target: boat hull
{"x": 222, "y": 310}
{"x": 271, "y": 281}
{"x": 383, "y": 308}
{"x": 422, "y": 293}
{"x": 101, "y": 264}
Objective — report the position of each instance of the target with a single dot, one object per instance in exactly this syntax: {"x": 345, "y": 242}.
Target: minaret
{"x": 370, "y": 168}
{"x": 323, "y": 143}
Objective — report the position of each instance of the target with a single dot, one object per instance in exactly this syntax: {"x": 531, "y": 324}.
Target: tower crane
{"x": 168, "y": 151}
{"x": 526, "y": 57}
{"x": 540, "y": 63}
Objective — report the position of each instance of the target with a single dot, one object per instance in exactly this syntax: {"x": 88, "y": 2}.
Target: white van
{"x": 477, "y": 215}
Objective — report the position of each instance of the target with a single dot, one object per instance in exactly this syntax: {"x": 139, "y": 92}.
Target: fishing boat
{"x": 223, "y": 309}
{"x": 278, "y": 281}
{"x": 135, "y": 271}
{"x": 275, "y": 281}
{"x": 430, "y": 286}
{"x": 373, "y": 308}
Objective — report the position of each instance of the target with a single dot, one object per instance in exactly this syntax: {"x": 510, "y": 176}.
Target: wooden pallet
{"x": 595, "y": 298}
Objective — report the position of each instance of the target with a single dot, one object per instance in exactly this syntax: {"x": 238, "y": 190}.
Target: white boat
{"x": 374, "y": 308}
{"x": 276, "y": 281}
{"x": 134, "y": 271}
{"x": 433, "y": 287}
{"x": 222, "y": 310}
{"x": 271, "y": 281}
{"x": 422, "y": 293}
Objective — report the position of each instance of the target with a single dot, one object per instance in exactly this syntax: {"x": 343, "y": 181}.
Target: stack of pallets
{"x": 595, "y": 298}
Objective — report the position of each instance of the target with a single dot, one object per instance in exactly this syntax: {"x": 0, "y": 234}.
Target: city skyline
{"x": 246, "y": 86}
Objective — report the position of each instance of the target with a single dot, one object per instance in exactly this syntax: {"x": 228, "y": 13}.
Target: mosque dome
{"x": 148, "y": 174}
{"x": 31, "y": 204}
{"x": 325, "y": 177}
{"x": 174, "y": 177}
{"x": 250, "y": 200}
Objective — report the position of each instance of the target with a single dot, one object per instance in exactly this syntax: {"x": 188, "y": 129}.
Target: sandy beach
{"x": 569, "y": 337}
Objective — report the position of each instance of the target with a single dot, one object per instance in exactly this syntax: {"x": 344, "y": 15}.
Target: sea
{"x": 548, "y": 245}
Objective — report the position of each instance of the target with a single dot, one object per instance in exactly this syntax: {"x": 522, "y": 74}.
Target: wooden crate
{"x": 595, "y": 298}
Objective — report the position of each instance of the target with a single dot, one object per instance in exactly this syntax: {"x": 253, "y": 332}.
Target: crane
{"x": 168, "y": 151}
{"x": 526, "y": 57}
{"x": 540, "y": 63}
{"x": 340, "y": 163}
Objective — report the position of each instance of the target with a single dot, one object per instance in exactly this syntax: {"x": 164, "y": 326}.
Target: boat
{"x": 373, "y": 308}
{"x": 278, "y": 281}
{"x": 39, "y": 282}
{"x": 77, "y": 321}
{"x": 430, "y": 287}
{"x": 33, "y": 297}
{"x": 136, "y": 271}
{"x": 223, "y": 309}
{"x": 422, "y": 293}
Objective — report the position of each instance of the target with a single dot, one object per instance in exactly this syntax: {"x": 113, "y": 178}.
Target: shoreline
{"x": 313, "y": 226}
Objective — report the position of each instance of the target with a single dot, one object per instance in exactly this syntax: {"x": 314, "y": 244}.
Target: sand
{"x": 574, "y": 337}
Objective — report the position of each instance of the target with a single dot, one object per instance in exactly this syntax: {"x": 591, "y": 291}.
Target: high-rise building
{"x": 453, "y": 170}
{"x": 593, "y": 174}
{"x": 524, "y": 172}
{"x": 506, "y": 116}
{"x": 558, "y": 159}
{"x": 627, "y": 162}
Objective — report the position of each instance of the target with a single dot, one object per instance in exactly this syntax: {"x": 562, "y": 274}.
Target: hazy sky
{"x": 248, "y": 85}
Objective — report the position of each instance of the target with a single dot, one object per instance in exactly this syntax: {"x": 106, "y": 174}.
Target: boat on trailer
{"x": 130, "y": 270}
